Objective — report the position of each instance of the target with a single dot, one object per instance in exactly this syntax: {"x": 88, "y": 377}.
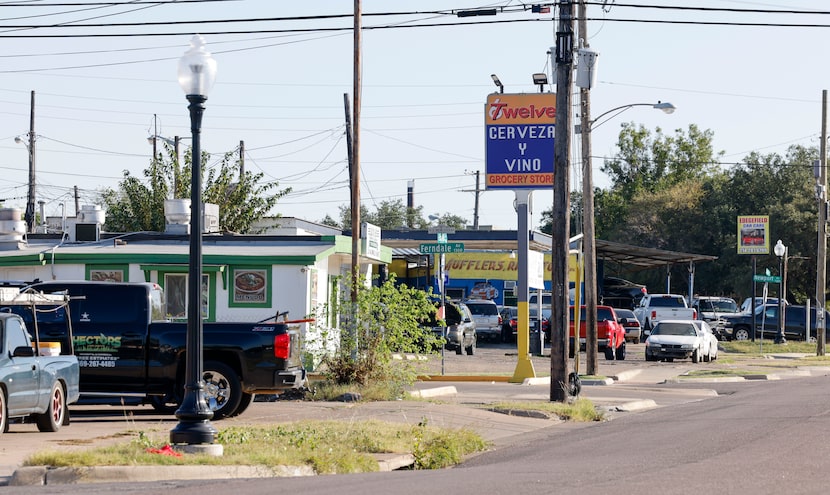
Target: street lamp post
{"x": 780, "y": 250}
{"x": 588, "y": 228}
{"x": 197, "y": 71}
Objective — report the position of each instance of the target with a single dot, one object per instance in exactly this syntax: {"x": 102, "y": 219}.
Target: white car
{"x": 710, "y": 341}
{"x": 675, "y": 339}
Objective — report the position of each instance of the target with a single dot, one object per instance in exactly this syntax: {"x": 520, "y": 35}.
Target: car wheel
{"x": 696, "y": 356}
{"x": 53, "y": 418}
{"x": 471, "y": 349}
{"x": 223, "y": 389}
{"x": 4, "y": 419}
{"x": 636, "y": 340}
{"x": 620, "y": 354}
{"x": 741, "y": 333}
{"x": 459, "y": 349}
{"x": 650, "y": 357}
{"x": 609, "y": 353}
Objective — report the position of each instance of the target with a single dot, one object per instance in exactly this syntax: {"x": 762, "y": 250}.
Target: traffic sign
{"x": 452, "y": 247}
{"x": 767, "y": 278}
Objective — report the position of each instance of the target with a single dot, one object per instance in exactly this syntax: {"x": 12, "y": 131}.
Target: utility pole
{"x": 589, "y": 252}
{"x": 241, "y": 160}
{"x": 477, "y": 190}
{"x": 478, "y": 193}
{"x": 77, "y": 202}
{"x": 821, "y": 255}
{"x": 560, "y": 303}
{"x": 30, "y": 203}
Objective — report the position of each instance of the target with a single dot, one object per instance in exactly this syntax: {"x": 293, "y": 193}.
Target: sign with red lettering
{"x": 519, "y": 132}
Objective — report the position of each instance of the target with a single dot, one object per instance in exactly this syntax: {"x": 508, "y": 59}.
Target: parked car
{"x": 508, "y": 323}
{"x": 633, "y": 330}
{"x": 748, "y": 305}
{"x": 710, "y": 341}
{"x": 675, "y": 339}
{"x": 739, "y": 327}
{"x": 510, "y": 326}
{"x": 610, "y": 334}
{"x": 486, "y": 316}
{"x": 459, "y": 333}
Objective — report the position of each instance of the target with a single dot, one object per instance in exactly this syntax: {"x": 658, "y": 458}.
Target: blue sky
{"x": 756, "y": 87}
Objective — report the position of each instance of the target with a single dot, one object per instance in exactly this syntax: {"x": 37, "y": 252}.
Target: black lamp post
{"x": 197, "y": 71}
{"x": 780, "y": 250}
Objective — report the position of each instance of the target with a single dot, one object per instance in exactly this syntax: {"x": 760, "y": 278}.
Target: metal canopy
{"x": 405, "y": 244}
{"x": 643, "y": 258}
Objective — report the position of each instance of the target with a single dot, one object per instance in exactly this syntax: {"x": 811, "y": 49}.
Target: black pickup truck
{"x": 130, "y": 352}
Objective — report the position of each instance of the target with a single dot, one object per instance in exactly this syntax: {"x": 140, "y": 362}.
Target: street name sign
{"x": 450, "y": 247}
{"x": 767, "y": 278}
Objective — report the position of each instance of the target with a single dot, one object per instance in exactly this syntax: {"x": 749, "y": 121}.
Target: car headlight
{"x": 686, "y": 346}
{"x": 652, "y": 344}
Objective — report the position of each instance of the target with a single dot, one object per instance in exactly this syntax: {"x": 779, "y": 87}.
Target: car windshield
{"x": 722, "y": 306}
{"x": 483, "y": 309}
{"x": 668, "y": 328}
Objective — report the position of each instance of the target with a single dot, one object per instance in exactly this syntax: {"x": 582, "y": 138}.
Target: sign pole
{"x": 524, "y": 366}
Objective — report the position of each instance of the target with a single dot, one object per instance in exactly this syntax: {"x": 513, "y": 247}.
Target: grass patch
{"x": 581, "y": 410}
{"x": 759, "y": 348}
{"x": 375, "y": 391}
{"x": 330, "y": 447}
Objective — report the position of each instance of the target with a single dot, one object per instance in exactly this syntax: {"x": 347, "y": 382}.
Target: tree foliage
{"x": 386, "y": 319}
{"x": 138, "y": 204}
{"x": 394, "y": 215}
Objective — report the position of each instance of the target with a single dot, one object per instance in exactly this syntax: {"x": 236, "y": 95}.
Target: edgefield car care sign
{"x": 753, "y": 234}
{"x": 519, "y": 133}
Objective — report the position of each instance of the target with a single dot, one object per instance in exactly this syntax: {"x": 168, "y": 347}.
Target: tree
{"x": 138, "y": 205}
{"x": 389, "y": 318}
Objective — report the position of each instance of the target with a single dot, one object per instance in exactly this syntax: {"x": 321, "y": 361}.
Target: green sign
{"x": 767, "y": 278}
{"x": 451, "y": 247}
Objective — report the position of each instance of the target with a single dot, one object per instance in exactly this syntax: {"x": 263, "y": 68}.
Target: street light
{"x": 780, "y": 250}
{"x": 588, "y": 228}
{"x": 540, "y": 79}
{"x": 197, "y": 71}
{"x": 497, "y": 83}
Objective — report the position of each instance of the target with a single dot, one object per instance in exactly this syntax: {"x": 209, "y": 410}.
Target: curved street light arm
{"x": 664, "y": 106}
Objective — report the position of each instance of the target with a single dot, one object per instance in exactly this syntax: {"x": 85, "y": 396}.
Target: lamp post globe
{"x": 196, "y": 74}
{"x": 780, "y": 250}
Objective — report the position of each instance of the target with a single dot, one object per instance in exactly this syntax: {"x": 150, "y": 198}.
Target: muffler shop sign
{"x": 519, "y": 134}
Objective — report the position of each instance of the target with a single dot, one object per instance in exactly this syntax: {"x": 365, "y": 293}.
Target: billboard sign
{"x": 753, "y": 234}
{"x": 519, "y": 133}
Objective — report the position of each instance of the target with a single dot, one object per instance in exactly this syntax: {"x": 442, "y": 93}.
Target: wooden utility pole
{"x": 241, "y": 160}
{"x": 30, "y": 203}
{"x": 560, "y": 301}
{"x": 589, "y": 255}
{"x": 821, "y": 270}
{"x": 355, "y": 169}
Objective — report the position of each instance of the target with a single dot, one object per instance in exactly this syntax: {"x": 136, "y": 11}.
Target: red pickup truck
{"x": 610, "y": 332}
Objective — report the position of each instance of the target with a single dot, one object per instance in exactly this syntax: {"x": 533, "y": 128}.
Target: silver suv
{"x": 486, "y": 316}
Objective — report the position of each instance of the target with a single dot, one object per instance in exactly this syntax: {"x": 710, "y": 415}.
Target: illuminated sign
{"x": 519, "y": 131}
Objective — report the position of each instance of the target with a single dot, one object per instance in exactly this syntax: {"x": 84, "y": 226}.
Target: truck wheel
{"x": 609, "y": 353}
{"x": 741, "y": 333}
{"x": 223, "y": 389}
{"x": 52, "y": 419}
{"x": 243, "y": 404}
{"x": 4, "y": 418}
{"x": 620, "y": 354}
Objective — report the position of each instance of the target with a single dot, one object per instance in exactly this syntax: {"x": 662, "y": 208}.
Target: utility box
{"x": 586, "y": 74}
